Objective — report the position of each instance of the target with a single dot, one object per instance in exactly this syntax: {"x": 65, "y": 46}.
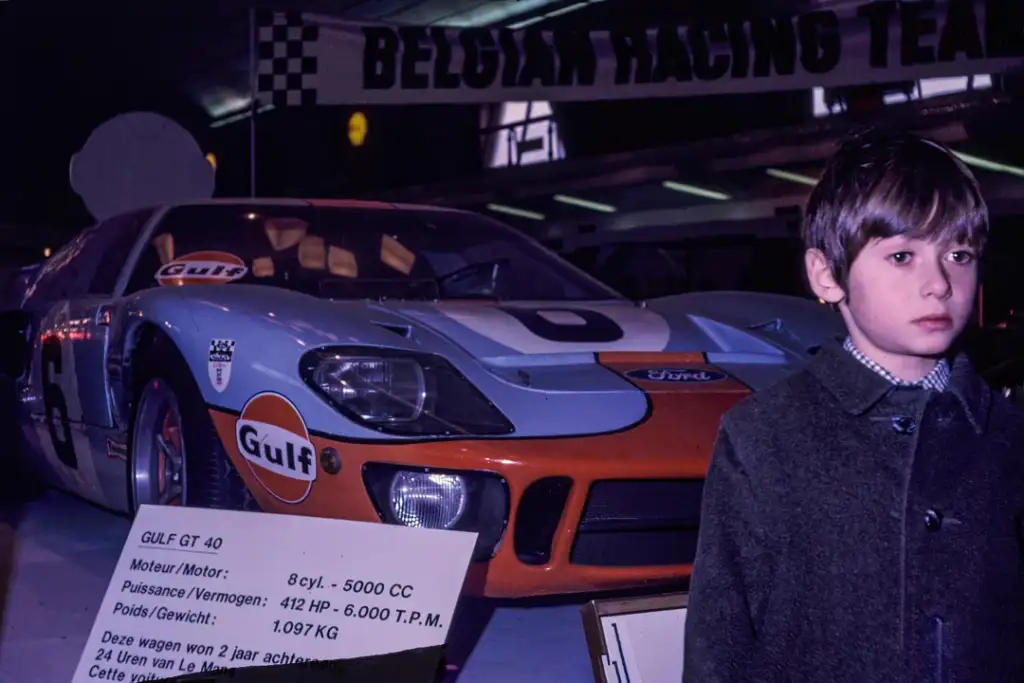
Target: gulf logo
{"x": 272, "y": 438}
{"x": 202, "y": 268}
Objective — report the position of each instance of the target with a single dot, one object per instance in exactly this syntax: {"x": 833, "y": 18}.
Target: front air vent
{"x": 540, "y": 510}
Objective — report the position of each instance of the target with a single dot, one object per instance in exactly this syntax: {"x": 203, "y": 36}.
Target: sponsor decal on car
{"x": 117, "y": 450}
{"x": 676, "y": 375}
{"x": 272, "y": 438}
{"x": 202, "y": 268}
{"x": 219, "y": 366}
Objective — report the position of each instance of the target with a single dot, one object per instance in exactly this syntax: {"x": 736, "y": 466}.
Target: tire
{"x": 169, "y": 407}
{"x": 22, "y": 480}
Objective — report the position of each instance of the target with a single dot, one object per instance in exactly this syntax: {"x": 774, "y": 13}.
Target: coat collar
{"x": 858, "y": 388}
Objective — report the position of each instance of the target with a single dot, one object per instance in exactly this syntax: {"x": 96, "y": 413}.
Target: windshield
{"x": 358, "y": 253}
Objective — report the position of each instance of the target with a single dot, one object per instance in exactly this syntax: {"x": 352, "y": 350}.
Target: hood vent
{"x": 404, "y": 331}
{"x": 770, "y": 326}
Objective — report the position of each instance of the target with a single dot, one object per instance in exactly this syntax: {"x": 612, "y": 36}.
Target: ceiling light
{"x": 584, "y": 203}
{"x": 566, "y": 10}
{"x": 792, "y": 177}
{"x": 552, "y": 14}
{"x": 692, "y": 189}
{"x": 513, "y": 211}
{"x": 987, "y": 165}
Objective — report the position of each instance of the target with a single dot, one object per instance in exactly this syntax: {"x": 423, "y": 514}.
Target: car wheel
{"x": 175, "y": 455}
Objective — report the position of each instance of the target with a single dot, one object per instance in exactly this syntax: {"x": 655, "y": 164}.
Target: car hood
{"x": 554, "y": 368}
{"x": 488, "y": 330}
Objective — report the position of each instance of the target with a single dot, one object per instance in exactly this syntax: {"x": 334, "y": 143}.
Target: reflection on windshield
{"x": 340, "y": 252}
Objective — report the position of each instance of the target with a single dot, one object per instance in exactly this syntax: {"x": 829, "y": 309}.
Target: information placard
{"x": 203, "y": 590}
{"x": 639, "y": 640}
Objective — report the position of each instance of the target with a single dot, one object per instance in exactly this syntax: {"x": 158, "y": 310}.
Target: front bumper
{"x": 586, "y": 514}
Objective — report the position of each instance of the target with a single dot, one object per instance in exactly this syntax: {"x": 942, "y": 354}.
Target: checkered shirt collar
{"x": 936, "y": 380}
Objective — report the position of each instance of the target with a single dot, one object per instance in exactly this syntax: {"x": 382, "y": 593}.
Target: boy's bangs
{"x": 930, "y": 204}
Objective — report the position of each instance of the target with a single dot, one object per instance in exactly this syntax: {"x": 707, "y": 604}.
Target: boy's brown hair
{"x": 882, "y": 184}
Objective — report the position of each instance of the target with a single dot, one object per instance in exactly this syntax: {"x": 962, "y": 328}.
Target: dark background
{"x": 68, "y": 66}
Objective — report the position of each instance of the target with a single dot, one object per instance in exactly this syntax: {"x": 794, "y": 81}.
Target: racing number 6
{"x": 55, "y": 404}
{"x": 582, "y": 326}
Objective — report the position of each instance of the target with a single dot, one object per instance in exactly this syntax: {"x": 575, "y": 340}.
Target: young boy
{"x": 862, "y": 518}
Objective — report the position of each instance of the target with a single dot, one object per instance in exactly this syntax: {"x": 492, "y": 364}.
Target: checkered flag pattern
{"x": 286, "y": 71}
{"x": 222, "y": 347}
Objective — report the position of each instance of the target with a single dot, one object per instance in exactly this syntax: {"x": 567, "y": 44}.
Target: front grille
{"x": 540, "y": 510}
{"x": 639, "y": 523}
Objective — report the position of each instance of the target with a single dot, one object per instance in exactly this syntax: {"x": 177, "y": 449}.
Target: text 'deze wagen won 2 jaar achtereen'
{"x": 197, "y": 592}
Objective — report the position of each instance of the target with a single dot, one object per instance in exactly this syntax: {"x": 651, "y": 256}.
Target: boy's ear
{"x": 819, "y": 275}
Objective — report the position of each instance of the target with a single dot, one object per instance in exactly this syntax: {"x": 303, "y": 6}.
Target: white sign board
{"x": 637, "y": 640}
{"x": 203, "y": 590}
{"x": 308, "y": 59}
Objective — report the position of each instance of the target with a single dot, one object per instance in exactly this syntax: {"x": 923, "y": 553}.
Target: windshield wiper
{"x": 475, "y": 279}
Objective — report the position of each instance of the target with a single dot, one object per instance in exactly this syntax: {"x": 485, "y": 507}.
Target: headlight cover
{"x": 400, "y": 392}
{"x": 458, "y": 500}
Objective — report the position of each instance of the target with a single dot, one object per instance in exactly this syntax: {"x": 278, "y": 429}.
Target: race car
{"x": 393, "y": 364}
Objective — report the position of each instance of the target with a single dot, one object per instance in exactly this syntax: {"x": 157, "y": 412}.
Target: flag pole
{"x": 253, "y": 103}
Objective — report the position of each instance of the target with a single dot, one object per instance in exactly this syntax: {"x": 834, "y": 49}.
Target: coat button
{"x": 932, "y": 520}
{"x": 904, "y": 425}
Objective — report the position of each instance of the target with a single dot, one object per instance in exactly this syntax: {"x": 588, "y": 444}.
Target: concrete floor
{"x": 57, "y": 554}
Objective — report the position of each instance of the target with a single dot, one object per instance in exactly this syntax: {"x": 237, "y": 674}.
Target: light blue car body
{"x": 545, "y": 388}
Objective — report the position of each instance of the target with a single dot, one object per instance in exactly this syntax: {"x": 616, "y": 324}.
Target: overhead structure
{"x": 753, "y": 176}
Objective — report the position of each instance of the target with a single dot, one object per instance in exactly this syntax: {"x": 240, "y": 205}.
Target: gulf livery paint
{"x": 202, "y": 268}
{"x": 273, "y": 441}
{"x": 611, "y": 408}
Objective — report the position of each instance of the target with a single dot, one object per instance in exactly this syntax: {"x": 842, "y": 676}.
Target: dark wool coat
{"x": 853, "y": 531}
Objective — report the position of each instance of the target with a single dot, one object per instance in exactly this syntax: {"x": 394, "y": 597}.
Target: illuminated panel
{"x": 929, "y": 87}
{"x": 534, "y": 135}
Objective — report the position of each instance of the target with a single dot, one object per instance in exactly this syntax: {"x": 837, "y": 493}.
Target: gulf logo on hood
{"x": 273, "y": 439}
{"x": 202, "y": 268}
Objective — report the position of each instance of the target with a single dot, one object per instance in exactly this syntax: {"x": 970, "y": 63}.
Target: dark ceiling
{"x": 68, "y": 65}
{"x": 201, "y": 48}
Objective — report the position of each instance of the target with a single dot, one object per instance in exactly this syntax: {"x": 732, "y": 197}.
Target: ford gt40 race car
{"x": 388, "y": 363}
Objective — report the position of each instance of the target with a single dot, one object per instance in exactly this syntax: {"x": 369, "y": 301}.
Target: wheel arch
{"x": 141, "y": 340}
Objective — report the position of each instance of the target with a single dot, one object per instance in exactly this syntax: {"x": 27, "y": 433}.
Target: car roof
{"x": 333, "y": 203}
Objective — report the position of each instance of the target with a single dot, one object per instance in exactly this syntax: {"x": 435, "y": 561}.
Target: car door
{"x": 67, "y": 385}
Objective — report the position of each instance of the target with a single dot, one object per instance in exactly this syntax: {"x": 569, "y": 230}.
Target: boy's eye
{"x": 900, "y": 258}
{"x": 961, "y": 257}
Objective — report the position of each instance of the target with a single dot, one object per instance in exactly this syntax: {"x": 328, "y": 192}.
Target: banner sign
{"x": 314, "y": 59}
{"x": 200, "y": 591}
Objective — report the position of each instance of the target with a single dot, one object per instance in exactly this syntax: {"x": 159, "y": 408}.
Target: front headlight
{"x": 459, "y": 500}
{"x": 402, "y": 393}
{"x": 428, "y": 500}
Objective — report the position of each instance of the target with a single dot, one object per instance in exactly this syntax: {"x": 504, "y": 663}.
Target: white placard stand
{"x": 637, "y": 640}
{"x": 205, "y": 590}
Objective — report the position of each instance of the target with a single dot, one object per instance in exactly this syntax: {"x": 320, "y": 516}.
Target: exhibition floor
{"x": 57, "y": 554}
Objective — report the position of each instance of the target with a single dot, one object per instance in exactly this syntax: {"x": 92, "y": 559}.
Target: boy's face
{"x": 906, "y": 299}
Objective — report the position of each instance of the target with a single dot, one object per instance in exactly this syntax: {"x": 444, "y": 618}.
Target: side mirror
{"x": 15, "y": 345}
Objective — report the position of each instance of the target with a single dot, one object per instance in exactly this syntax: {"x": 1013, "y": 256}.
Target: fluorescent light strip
{"x": 241, "y": 116}
{"x": 566, "y": 10}
{"x": 584, "y": 203}
{"x": 552, "y": 14}
{"x": 691, "y": 189}
{"x": 513, "y": 211}
{"x": 792, "y": 177}
{"x": 987, "y": 165}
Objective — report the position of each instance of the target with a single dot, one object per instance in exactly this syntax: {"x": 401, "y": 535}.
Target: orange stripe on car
{"x": 674, "y": 443}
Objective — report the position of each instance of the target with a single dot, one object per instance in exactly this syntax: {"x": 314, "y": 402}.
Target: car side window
{"x": 90, "y": 262}
{"x": 119, "y": 235}
{"x": 61, "y": 277}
